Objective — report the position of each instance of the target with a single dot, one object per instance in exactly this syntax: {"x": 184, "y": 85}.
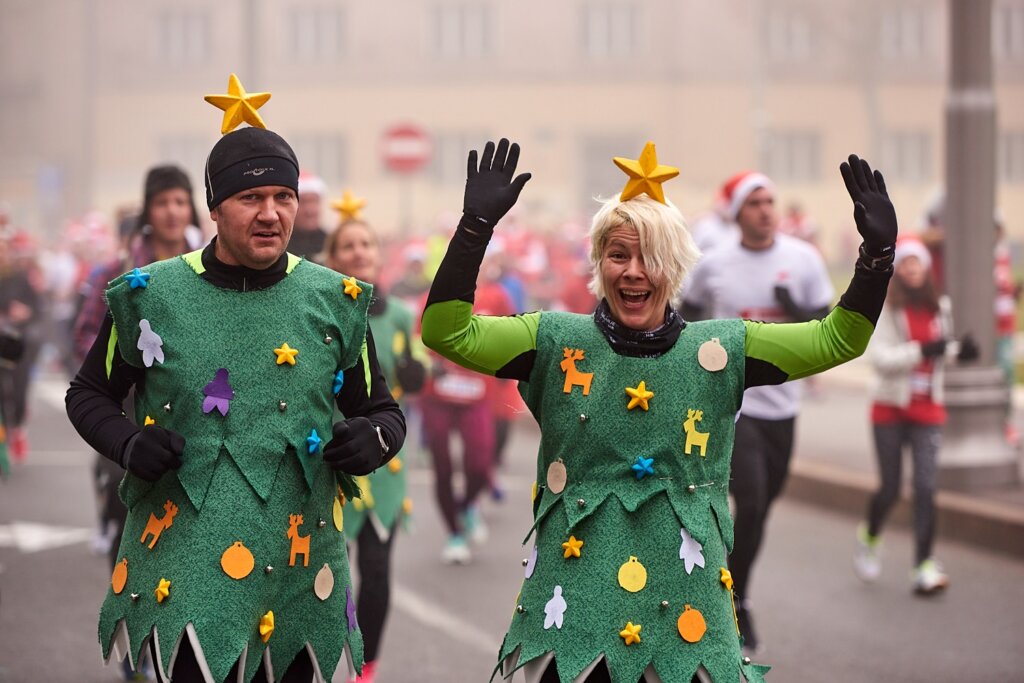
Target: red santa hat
{"x": 737, "y": 188}
{"x": 311, "y": 183}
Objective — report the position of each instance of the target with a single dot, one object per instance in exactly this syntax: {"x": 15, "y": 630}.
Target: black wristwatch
{"x": 879, "y": 263}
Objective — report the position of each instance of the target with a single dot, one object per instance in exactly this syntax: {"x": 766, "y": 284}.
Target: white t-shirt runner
{"x": 735, "y": 282}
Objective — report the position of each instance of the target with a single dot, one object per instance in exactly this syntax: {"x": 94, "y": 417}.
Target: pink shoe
{"x": 19, "y": 444}
{"x": 369, "y": 673}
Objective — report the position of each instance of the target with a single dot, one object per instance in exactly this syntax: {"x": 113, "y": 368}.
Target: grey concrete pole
{"x": 974, "y": 452}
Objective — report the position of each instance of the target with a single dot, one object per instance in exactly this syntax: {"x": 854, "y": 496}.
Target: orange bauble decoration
{"x": 237, "y": 561}
{"x": 691, "y": 625}
{"x": 120, "y": 576}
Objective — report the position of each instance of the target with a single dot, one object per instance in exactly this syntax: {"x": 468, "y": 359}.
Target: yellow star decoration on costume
{"x": 286, "y": 354}
{"x": 239, "y": 106}
{"x": 267, "y": 626}
{"x": 163, "y": 590}
{"x": 148, "y": 421}
{"x": 645, "y": 175}
{"x": 630, "y": 634}
{"x": 572, "y": 547}
{"x": 639, "y": 396}
{"x": 352, "y": 287}
{"x": 725, "y": 578}
{"x": 349, "y": 206}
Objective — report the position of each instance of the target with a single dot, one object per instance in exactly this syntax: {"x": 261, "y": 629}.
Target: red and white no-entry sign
{"x": 406, "y": 148}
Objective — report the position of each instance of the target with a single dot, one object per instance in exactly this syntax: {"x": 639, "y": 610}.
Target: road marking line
{"x": 435, "y": 616}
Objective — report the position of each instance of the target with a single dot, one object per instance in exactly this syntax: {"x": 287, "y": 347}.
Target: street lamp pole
{"x": 975, "y": 452}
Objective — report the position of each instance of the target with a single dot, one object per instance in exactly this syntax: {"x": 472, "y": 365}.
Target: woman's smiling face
{"x": 634, "y": 298}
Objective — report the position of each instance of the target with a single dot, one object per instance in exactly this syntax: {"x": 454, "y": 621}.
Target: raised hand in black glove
{"x": 968, "y": 349}
{"x": 355, "y": 447}
{"x": 872, "y": 210}
{"x": 152, "y": 452}
{"x": 491, "y": 189}
{"x": 934, "y": 349}
{"x": 411, "y": 374}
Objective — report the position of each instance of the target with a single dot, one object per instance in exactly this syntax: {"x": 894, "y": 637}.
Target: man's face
{"x": 254, "y": 226}
{"x": 757, "y": 217}
{"x": 308, "y": 217}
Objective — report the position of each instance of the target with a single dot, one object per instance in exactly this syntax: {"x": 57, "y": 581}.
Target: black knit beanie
{"x": 247, "y": 158}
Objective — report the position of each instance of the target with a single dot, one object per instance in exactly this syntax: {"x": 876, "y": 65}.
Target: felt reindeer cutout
{"x": 693, "y": 437}
{"x": 574, "y": 377}
{"x": 155, "y": 526}
{"x": 300, "y": 544}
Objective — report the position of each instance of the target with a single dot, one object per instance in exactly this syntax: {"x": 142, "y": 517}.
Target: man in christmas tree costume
{"x": 626, "y": 579}
{"x": 233, "y": 562}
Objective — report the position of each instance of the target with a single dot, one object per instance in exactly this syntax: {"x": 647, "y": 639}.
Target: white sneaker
{"x": 867, "y": 564}
{"x": 456, "y": 551}
{"x": 929, "y": 578}
{"x": 476, "y": 528}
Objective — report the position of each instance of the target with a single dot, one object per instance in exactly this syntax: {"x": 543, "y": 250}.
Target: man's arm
{"x": 365, "y": 393}
{"x": 97, "y": 393}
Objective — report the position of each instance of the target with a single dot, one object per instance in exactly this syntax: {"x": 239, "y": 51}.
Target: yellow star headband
{"x": 645, "y": 175}
{"x": 349, "y": 206}
{"x": 239, "y": 106}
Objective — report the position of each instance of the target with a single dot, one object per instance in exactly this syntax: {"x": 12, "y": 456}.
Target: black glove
{"x": 968, "y": 349}
{"x": 152, "y": 452}
{"x": 490, "y": 189}
{"x": 355, "y": 447}
{"x": 872, "y": 210}
{"x": 934, "y": 349}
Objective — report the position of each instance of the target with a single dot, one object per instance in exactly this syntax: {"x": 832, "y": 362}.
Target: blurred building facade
{"x": 92, "y": 92}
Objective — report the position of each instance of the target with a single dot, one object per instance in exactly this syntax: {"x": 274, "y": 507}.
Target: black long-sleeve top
{"x": 94, "y": 400}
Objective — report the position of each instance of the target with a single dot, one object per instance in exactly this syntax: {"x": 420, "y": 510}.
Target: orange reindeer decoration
{"x": 300, "y": 544}
{"x": 693, "y": 437}
{"x": 574, "y": 377}
{"x": 155, "y": 526}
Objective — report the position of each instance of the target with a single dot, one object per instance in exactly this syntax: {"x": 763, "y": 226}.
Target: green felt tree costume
{"x": 383, "y": 491}
{"x": 244, "y": 527}
{"x": 632, "y": 495}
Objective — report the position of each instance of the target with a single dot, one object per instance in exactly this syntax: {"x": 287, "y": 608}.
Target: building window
{"x": 789, "y": 36}
{"x": 325, "y": 154}
{"x": 316, "y": 34}
{"x": 1011, "y": 156}
{"x": 903, "y": 32}
{"x": 183, "y": 37}
{"x": 1008, "y": 31}
{"x": 610, "y": 30}
{"x": 187, "y": 151}
{"x": 462, "y": 31}
{"x": 451, "y": 149}
{"x": 792, "y": 155}
{"x": 907, "y": 156}
{"x": 599, "y": 177}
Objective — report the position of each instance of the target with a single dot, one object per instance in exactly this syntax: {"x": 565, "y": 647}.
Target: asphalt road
{"x": 818, "y": 622}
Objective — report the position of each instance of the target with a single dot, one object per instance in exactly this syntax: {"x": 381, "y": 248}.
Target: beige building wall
{"x": 787, "y": 86}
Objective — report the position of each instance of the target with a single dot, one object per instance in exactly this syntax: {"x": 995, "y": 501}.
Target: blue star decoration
{"x": 643, "y": 466}
{"x": 313, "y": 442}
{"x": 137, "y": 279}
{"x": 339, "y": 382}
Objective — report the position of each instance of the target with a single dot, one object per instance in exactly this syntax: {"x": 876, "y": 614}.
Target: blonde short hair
{"x": 665, "y": 242}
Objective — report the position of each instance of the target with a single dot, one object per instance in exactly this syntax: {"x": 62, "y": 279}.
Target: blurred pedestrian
{"x": 636, "y": 409}
{"x": 20, "y": 310}
{"x": 308, "y": 237}
{"x": 372, "y": 521}
{"x": 227, "y": 565}
{"x": 912, "y": 342}
{"x": 771, "y": 277}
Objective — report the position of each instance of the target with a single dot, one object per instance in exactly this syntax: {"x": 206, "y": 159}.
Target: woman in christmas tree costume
{"x": 626, "y": 579}
{"x": 233, "y": 563}
{"x": 372, "y": 520}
